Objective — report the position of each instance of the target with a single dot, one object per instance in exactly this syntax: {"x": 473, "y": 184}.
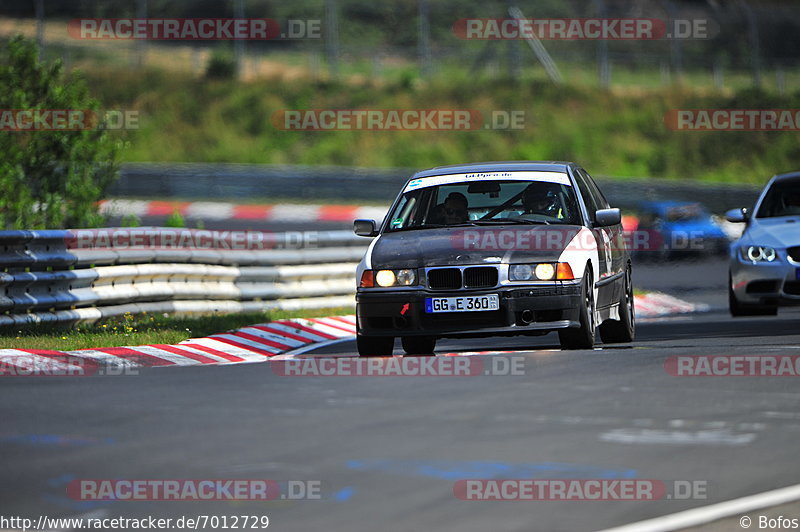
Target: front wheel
{"x": 374, "y": 346}
{"x": 418, "y": 345}
{"x": 582, "y": 337}
{"x": 624, "y": 329}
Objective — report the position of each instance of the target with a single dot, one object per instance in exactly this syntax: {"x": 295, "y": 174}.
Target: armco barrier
{"x": 209, "y": 181}
{"x": 85, "y": 275}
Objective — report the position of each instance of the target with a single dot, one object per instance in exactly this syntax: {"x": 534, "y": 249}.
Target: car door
{"x": 610, "y": 254}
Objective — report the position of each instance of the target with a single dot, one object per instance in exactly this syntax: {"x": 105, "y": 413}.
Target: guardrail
{"x": 214, "y": 181}
{"x": 85, "y": 275}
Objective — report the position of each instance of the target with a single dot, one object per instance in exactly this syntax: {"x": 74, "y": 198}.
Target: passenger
{"x": 438, "y": 215}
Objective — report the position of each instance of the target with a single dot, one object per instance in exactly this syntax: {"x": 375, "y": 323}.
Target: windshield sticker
{"x": 547, "y": 177}
{"x": 397, "y": 222}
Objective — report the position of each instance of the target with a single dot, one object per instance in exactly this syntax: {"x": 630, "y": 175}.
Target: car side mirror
{"x": 737, "y": 216}
{"x": 607, "y": 217}
{"x": 365, "y": 228}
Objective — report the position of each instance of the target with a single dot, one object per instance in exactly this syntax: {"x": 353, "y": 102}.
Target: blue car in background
{"x": 668, "y": 229}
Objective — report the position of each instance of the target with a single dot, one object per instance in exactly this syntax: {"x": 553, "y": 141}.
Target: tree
{"x": 49, "y": 178}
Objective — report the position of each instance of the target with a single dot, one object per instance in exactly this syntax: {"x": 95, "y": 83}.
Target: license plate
{"x": 462, "y": 304}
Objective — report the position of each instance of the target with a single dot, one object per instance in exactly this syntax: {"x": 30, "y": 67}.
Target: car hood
{"x": 780, "y": 232}
{"x": 452, "y": 246}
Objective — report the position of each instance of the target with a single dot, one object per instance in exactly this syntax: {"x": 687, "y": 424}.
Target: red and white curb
{"x": 656, "y": 304}
{"x": 212, "y": 210}
{"x": 256, "y": 343}
{"x": 279, "y": 212}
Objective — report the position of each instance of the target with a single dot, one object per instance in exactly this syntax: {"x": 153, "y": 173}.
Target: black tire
{"x": 738, "y": 310}
{"x": 374, "y": 346}
{"x": 622, "y": 330}
{"x": 582, "y": 337}
{"x": 418, "y": 345}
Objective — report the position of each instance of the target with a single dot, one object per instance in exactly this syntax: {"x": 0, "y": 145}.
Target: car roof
{"x": 789, "y": 176}
{"x": 497, "y": 166}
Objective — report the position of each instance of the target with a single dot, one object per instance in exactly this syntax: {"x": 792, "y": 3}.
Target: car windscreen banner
{"x": 544, "y": 177}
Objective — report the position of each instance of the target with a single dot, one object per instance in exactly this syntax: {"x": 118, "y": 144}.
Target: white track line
{"x": 713, "y": 512}
{"x": 311, "y": 347}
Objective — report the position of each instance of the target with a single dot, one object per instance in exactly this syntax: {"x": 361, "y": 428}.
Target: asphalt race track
{"x": 387, "y": 451}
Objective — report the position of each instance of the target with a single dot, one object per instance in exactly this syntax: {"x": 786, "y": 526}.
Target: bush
{"x": 175, "y": 220}
{"x": 50, "y": 179}
{"x": 221, "y": 65}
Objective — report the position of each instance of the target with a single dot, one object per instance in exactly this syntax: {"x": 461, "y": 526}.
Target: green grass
{"x": 130, "y": 330}
{"x": 618, "y": 132}
{"x": 611, "y": 133}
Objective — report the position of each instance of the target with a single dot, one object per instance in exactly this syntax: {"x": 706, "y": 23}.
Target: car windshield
{"x": 485, "y": 203}
{"x": 782, "y": 199}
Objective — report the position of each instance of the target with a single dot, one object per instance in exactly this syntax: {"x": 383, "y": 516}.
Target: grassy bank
{"x": 189, "y": 119}
{"x": 144, "y": 329}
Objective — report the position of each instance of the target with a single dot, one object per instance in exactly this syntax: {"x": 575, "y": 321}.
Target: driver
{"x": 455, "y": 208}
{"x": 542, "y": 199}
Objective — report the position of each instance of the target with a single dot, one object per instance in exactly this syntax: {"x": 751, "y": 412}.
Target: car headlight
{"x": 388, "y": 278}
{"x": 545, "y": 271}
{"x": 759, "y": 254}
{"x": 520, "y": 272}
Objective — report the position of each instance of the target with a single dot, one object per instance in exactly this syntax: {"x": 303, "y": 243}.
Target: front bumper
{"x": 402, "y": 312}
{"x": 766, "y": 284}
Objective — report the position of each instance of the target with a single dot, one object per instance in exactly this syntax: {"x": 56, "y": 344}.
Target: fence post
{"x": 332, "y": 37}
{"x": 40, "y": 27}
{"x": 752, "y": 35}
{"x": 239, "y": 43}
{"x": 424, "y": 38}
{"x": 141, "y": 44}
{"x": 603, "y": 71}
{"x": 514, "y": 61}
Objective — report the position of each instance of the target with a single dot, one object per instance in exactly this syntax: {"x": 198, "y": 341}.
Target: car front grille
{"x": 794, "y": 253}
{"x": 480, "y": 277}
{"x": 792, "y": 288}
{"x": 455, "y": 278}
{"x": 761, "y": 287}
{"x": 444, "y": 279}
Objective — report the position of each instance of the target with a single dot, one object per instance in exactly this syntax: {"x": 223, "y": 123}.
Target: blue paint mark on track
{"x": 459, "y": 470}
{"x": 53, "y": 439}
{"x": 345, "y": 494}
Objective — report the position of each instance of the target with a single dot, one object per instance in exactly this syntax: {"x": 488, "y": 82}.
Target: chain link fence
{"x": 746, "y": 43}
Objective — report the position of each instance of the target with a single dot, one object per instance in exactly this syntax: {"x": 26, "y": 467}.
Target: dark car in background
{"x": 508, "y": 248}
